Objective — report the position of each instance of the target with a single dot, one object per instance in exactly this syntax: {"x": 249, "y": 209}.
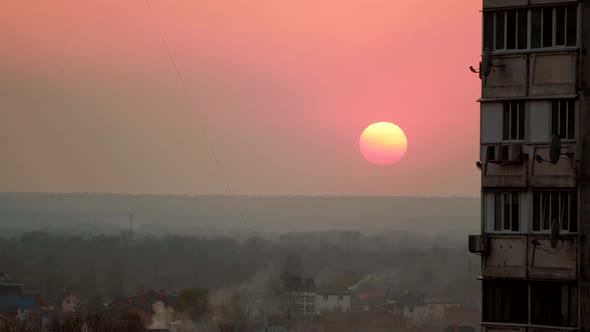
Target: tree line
{"x": 106, "y": 266}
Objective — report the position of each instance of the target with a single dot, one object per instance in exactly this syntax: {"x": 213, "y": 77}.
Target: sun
{"x": 383, "y": 143}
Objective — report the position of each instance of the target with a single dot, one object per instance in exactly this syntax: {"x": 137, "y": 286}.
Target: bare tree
{"x": 239, "y": 310}
{"x": 286, "y": 287}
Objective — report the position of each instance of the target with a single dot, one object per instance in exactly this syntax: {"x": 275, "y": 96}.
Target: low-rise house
{"x": 332, "y": 300}
{"x": 65, "y": 302}
{"x": 306, "y": 302}
{"x": 437, "y": 306}
{"x": 144, "y": 299}
{"x": 413, "y": 308}
{"x": 142, "y": 305}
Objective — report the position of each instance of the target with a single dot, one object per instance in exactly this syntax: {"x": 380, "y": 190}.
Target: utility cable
{"x": 192, "y": 105}
{"x": 189, "y": 98}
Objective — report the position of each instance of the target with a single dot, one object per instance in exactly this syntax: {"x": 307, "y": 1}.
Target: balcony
{"x": 505, "y": 165}
{"x": 547, "y": 175}
{"x": 552, "y": 73}
{"x": 508, "y": 78}
{"x": 529, "y": 256}
{"x": 532, "y": 74}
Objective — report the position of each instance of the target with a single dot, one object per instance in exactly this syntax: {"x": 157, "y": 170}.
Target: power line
{"x": 190, "y": 101}
{"x": 188, "y": 97}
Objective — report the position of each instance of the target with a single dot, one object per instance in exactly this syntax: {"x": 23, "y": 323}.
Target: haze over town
{"x": 208, "y": 166}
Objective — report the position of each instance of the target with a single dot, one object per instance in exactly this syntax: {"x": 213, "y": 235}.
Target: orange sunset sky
{"x": 90, "y": 102}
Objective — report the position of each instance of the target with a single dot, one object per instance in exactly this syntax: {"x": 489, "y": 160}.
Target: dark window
{"x": 505, "y": 301}
{"x": 513, "y": 121}
{"x": 571, "y": 25}
{"x": 554, "y": 26}
{"x": 536, "y": 27}
{"x": 560, "y": 26}
{"x": 547, "y": 27}
{"x": 506, "y": 29}
{"x": 497, "y": 211}
{"x": 500, "y": 25}
{"x": 491, "y": 153}
{"x": 563, "y": 118}
{"x": 506, "y": 211}
{"x": 514, "y": 213}
{"x": 554, "y": 304}
{"x": 488, "y": 30}
{"x": 522, "y": 28}
{"x": 511, "y": 29}
{"x": 555, "y": 205}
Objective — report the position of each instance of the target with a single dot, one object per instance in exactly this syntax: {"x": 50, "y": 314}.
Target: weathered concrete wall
{"x": 584, "y": 171}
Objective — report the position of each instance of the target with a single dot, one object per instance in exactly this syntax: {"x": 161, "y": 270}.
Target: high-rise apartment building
{"x": 535, "y": 166}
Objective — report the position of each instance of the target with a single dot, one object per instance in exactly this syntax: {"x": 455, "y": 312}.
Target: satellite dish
{"x": 555, "y": 149}
{"x": 555, "y": 229}
{"x": 486, "y": 63}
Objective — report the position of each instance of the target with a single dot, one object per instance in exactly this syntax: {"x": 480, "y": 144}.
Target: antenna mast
{"x": 130, "y": 225}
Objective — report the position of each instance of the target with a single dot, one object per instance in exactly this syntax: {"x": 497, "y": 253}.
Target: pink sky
{"x": 90, "y": 101}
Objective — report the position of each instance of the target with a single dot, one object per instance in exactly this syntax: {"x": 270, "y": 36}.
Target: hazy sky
{"x": 89, "y": 100}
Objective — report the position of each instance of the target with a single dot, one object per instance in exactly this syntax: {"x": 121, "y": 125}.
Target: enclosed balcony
{"x": 528, "y": 256}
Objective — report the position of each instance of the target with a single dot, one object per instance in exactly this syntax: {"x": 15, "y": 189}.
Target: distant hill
{"x": 167, "y": 213}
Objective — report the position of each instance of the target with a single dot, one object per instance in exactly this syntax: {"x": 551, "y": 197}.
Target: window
{"x": 550, "y": 205}
{"x": 554, "y": 304}
{"x": 506, "y": 212}
{"x": 506, "y": 29}
{"x": 340, "y": 298}
{"x": 325, "y": 297}
{"x": 505, "y": 301}
{"x": 554, "y": 26}
{"x": 411, "y": 309}
{"x": 513, "y": 121}
{"x": 563, "y": 118}
{"x": 550, "y": 27}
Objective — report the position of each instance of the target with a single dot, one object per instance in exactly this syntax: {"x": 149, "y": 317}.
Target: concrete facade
{"x": 535, "y": 278}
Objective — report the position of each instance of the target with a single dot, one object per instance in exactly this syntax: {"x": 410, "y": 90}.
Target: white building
{"x": 437, "y": 306}
{"x": 418, "y": 313}
{"x": 413, "y": 307}
{"x": 332, "y": 300}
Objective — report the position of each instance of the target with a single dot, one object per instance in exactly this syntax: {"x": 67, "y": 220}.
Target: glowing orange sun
{"x": 383, "y": 143}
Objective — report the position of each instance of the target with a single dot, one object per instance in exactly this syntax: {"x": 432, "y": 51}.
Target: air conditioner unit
{"x": 492, "y": 153}
{"x": 478, "y": 243}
